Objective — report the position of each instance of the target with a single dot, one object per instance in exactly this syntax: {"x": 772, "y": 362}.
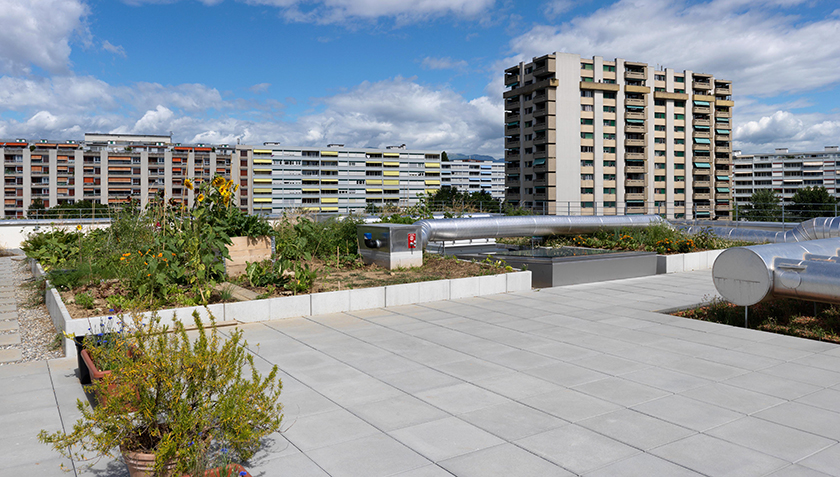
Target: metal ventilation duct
{"x": 814, "y": 229}
{"x": 527, "y": 226}
{"x": 807, "y": 270}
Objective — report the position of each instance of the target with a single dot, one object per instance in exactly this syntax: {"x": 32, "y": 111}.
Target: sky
{"x": 372, "y": 73}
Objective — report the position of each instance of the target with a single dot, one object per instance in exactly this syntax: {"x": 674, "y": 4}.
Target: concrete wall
{"x": 686, "y": 262}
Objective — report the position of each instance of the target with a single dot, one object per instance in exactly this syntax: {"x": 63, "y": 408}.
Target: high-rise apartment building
{"x": 597, "y": 137}
{"x": 112, "y": 169}
{"x": 474, "y": 175}
{"x": 785, "y": 172}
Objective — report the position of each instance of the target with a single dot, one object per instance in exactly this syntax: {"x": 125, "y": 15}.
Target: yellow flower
{"x": 230, "y": 184}
{"x": 122, "y": 258}
{"x": 218, "y": 181}
{"x": 200, "y": 197}
{"x": 188, "y": 184}
{"x": 78, "y": 227}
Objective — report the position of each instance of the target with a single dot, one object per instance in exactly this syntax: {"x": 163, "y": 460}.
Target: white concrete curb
{"x": 686, "y": 262}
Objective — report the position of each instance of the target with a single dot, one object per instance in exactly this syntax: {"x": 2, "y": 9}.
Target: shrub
{"x": 85, "y": 300}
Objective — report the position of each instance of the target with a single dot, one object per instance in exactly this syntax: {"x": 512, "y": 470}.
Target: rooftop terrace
{"x": 574, "y": 380}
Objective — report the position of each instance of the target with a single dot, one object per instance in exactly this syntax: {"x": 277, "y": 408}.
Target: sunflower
{"x": 218, "y": 181}
{"x": 188, "y": 184}
{"x": 200, "y": 197}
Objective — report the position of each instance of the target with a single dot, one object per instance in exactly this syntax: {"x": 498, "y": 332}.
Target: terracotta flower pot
{"x": 96, "y": 374}
{"x": 84, "y": 372}
{"x": 142, "y": 464}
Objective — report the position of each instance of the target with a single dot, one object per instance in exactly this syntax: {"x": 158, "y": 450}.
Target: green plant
{"x": 304, "y": 278}
{"x": 192, "y": 401}
{"x": 85, "y": 300}
{"x": 267, "y": 272}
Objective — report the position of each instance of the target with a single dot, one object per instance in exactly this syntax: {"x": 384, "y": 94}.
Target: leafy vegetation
{"x": 764, "y": 206}
{"x": 805, "y": 319}
{"x": 656, "y": 238}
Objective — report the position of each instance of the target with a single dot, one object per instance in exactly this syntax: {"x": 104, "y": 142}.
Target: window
{"x": 587, "y": 122}
{"x": 658, "y": 191}
{"x": 609, "y": 150}
{"x": 679, "y": 104}
{"x": 659, "y": 153}
{"x": 679, "y": 79}
{"x": 659, "y": 77}
{"x": 609, "y": 68}
{"x": 587, "y": 66}
{"x": 587, "y": 205}
{"x": 610, "y": 95}
{"x": 609, "y": 163}
{"x": 659, "y": 128}
{"x": 587, "y": 163}
{"x": 679, "y": 153}
{"x": 587, "y": 107}
{"x": 679, "y": 128}
{"x": 659, "y": 102}
{"x": 610, "y": 205}
{"x": 659, "y": 90}
{"x": 610, "y": 177}
{"x": 528, "y": 124}
{"x": 679, "y": 166}
{"x": 587, "y": 190}
{"x": 587, "y": 80}
{"x": 679, "y": 91}
{"x": 679, "y": 191}
{"x": 679, "y": 141}
{"x": 587, "y": 135}
{"x": 659, "y": 178}
{"x": 587, "y": 149}
{"x": 609, "y": 109}
{"x": 679, "y": 116}
{"x": 659, "y": 115}
{"x": 609, "y": 190}
{"x": 679, "y": 178}
{"x": 609, "y": 122}
{"x": 587, "y": 93}
{"x": 609, "y": 136}
{"x": 587, "y": 177}
{"x": 659, "y": 140}
{"x": 609, "y": 81}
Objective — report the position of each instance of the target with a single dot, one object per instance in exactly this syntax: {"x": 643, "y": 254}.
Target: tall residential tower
{"x": 597, "y": 137}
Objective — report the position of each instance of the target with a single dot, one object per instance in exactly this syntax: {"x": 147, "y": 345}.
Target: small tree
{"x": 444, "y": 157}
{"x": 764, "y": 206}
{"x": 812, "y": 202}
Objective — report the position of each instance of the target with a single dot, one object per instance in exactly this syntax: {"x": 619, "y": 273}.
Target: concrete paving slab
{"x": 805, "y": 418}
{"x": 512, "y": 420}
{"x": 827, "y": 461}
{"x": 796, "y": 471}
{"x": 733, "y": 398}
{"x": 783, "y": 388}
{"x": 445, "y": 438}
{"x": 461, "y": 398}
{"x": 636, "y": 429}
{"x": 505, "y": 459}
{"x": 696, "y": 415}
{"x": 711, "y": 456}
{"x": 643, "y": 465}
{"x": 9, "y": 339}
{"x": 397, "y": 412}
{"x": 770, "y": 438}
{"x": 570, "y": 405}
{"x": 374, "y": 456}
{"x": 577, "y": 449}
{"x": 9, "y": 325}
{"x": 327, "y": 428}
{"x": 10, "y": 355}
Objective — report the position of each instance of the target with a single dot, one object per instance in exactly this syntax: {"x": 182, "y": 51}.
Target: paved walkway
{"x": 583, "y": 379}
{"x": 9, "y": 335}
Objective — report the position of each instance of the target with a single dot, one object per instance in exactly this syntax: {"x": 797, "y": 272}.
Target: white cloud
{"x": 751, "y": 42}
{"x": 798, "y": 132}
{"x": 38, "y": 32}
{"x": 337, "y": 11}
{"x": 115, "y": 49}
{"x": 154, "y": 121}
{"x": 555, "y": 8}
{"x": 446, "y": 63}
{"x": 259, "y": 88}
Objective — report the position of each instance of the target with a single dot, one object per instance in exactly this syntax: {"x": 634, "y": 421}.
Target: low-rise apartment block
{"x": 592, "y": 136}
{"x": 785, "y": 172}
{"x": 112, "y": 169}
{"x": 474, "y": 175}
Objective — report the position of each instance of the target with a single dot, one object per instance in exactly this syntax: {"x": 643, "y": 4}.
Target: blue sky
{"x": 427, "y": 73}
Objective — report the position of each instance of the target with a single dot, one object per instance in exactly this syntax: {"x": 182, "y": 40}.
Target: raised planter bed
{"x": 686, "y": 262}
{"x": 304, "y": 305}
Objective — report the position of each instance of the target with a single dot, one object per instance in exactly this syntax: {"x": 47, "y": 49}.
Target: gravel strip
{"x": 37, "y": 332}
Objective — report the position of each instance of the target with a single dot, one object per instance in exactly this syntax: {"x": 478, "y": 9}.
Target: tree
{"x": 764, "y": 206}
{"x": 444, "y": 157}
{"x": 812, "y": 202}
{"x": 36, "y": 209}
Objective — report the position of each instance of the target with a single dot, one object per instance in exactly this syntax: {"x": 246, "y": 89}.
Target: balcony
{"x": 705, "y": 134}
{"x": 540, "y": 183}
{"x": 542, "y": 70}
{"x": 634, "y": 128}
{"x": 701, "y": 147}
{"x": 541, "y": 196}
{"x": 511, "y": 154}
{"x": 512, "y": 116}
{"x": 723, "y": 114}
{"x": 634, "y": 183}
{"x": 702, "y": 122}
{"x": 702, "y": 196}
{"x": 540, "y": 98}
{"x": 723, "y": 207}
{"x": 720, "y": 137}
{"x": 634, "y": 196}
{"x": 702, "y": 109}
{"x": 635, "y": 102}
{"x": 703, "y": 208}
{"x": 724, "y": 196}
{"x": 540, "y": 112}
{"x": 700, "y": 184}
{"x": 635, "y": 74}
{"x": 511, "y": 183}
{"x": 635, "y": 210}
{"x": 511, "y": 144}
{"x": 701, "y": 85}
{"x": 723, "y": 160}
{"x": 723, "y": 149}
{"x": 512, "y": 196}
{"x": 634, "y": 115}
{"x": 634, "y": 169}
{"x": 512, "y": 166}
{"x": 511, "y": 130}
{"x": 634, "y": 142}
{"x": 723, "y": 91}
{"x": 542, "y": 140}
{"x": 511, "y": 79}
{"x": 634, "y": 156}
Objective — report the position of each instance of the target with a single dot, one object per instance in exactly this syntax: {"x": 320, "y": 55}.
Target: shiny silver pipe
{"x": 527, "y": 226}
{"x": 748, "y": 275}
{"x": 814, "y": 229}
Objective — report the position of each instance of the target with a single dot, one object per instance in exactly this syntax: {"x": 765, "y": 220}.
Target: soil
{"x": 329, "y": 278}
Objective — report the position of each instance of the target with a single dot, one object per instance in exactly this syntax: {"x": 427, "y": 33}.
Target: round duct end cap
{"x": 741, "y": 277}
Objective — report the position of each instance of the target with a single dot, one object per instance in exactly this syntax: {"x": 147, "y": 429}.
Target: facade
{"x": 336, "y": 179}
{"x": 111, "y": 169}
{"x": 597, "y": 137}
{"x": 474, "y": 175}
{"x": 784, "y": 172}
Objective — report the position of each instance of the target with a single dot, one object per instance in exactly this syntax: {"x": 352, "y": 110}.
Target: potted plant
{"x": 192, "y": 404}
